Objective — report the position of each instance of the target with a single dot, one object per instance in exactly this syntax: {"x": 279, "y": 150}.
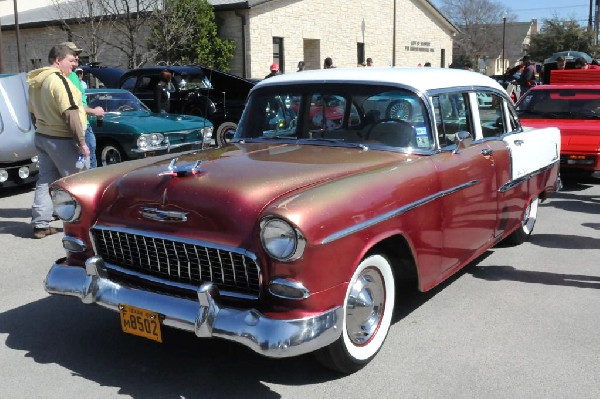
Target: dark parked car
{"x": 215, "y": 95}
{"x": 97, "y": 76}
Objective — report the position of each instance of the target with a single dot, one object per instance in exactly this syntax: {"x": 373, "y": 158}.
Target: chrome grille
{"x": 178, "y": 261}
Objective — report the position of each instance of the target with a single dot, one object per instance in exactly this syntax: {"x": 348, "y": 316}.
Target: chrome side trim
{"x": 396, "y": 212}
{"x": 165, "y": 147}
{"x": 513, "y": 183}
{"x": 205, "y": 317}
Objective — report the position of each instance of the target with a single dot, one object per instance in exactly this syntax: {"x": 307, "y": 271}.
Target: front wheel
{"x": 522, "y": 234}
{"x": 368, "y": 308}
{"x": 225, "y": 133}
{"x": 110, "y": 153}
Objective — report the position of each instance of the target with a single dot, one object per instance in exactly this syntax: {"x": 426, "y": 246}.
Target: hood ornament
{"x": 163, "y": 216}
{"x": 188, "y": 169}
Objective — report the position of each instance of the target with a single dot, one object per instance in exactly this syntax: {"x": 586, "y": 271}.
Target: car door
{"x": 468, "y": 183}
{"x": 532, "y": 150}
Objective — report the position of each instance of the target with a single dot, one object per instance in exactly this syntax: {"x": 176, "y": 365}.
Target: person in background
{"x": 561, "y": 63}
{"x": 79, "y": 73}
{"x": 468, "y": 66}
{"x": 274, "y": 70}
{"x": 328, "y": 63}
{"x": 370, "y": 62}
{"x": 527, "y": 78}
{"x": 162, "y": 93}
{"x": 60, "y": 121}
{"x": 581, "y": 63}
{"x": 301, "y": 66}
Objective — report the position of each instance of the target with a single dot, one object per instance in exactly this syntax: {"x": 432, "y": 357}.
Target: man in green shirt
{"x": 90, "y": 138}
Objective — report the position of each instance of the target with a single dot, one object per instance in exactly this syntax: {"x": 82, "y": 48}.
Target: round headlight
{"x": 281, "y": 240}
{"x": 142, "y": 141}
{"x": 156, "y": 139}
{"x": 3, "y": 175}
{"x": 207, "y": 132}
{"x": 66, "y": 206}
{"x": 23, "y": 172}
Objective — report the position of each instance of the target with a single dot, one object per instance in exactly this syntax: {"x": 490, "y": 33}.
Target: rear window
{"x": 560, "y": 104}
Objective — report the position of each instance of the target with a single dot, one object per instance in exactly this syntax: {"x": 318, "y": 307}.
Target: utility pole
{"x": 19, "y": 58}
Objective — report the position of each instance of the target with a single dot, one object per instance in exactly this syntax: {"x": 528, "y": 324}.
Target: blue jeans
{"x": 90, "y": 140}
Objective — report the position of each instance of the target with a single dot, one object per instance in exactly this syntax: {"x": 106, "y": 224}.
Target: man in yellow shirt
{"x": 60, "y": 121}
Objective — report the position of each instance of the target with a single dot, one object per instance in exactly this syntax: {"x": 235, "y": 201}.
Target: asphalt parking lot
{"x": 519, "y": 322}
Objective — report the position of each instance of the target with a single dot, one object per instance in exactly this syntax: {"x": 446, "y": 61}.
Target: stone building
{"x": 391, "y": 32}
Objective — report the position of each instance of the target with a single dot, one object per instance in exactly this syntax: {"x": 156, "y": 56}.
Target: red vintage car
{"x": 293, "y": 237}
{"x": 572, "y": 103}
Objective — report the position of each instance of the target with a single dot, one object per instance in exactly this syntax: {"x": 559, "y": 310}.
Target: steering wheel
{"x": 387, "y": 120}
{"x": 399, "y": 109}
{"x": 125, "y": 108}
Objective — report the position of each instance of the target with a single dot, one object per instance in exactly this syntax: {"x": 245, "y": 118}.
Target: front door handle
{"x": 486, "y": 152}
{"x": 519, "y": 142}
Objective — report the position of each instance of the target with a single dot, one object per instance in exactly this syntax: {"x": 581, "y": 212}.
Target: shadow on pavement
{"x": 87, "y": 340}
{"x": 564, "y": 241}
{"x": 503, "y": 273}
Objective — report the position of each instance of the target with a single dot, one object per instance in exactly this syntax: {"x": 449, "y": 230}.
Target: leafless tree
{"x": 89, "y": 17}
{"x": 473, "y": 17}
{"x": 130, "y": 21}
{"x": 120, "y": 24}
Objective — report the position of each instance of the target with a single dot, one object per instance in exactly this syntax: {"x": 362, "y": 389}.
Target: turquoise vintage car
{"x": 129, "y": 130}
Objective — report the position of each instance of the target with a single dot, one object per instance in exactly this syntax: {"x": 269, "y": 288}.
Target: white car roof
{"x": 422, "y": 79}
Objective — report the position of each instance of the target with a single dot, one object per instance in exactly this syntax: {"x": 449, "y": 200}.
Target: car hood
{"x": 224, "y": 198}
{"x": 147, "y": 122}
{"x": 576, "y": 135}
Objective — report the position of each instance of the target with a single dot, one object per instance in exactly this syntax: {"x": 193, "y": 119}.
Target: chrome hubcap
{"x": 365, "y": 306}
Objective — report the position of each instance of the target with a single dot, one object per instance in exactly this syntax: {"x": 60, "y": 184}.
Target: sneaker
{"x": 43, "y": 232}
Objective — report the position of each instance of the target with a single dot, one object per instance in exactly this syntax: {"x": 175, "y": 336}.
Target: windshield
{"x": 116, "y": 102}
{"x": 193, "y": 81}
{"x": 350, "y": 113}
{"x": 560, "y": 104}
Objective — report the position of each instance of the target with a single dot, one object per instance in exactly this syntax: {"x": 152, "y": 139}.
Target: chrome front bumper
{"x": 205, "y": 317}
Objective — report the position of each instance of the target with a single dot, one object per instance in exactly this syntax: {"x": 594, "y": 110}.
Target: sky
{"x": 526, "y": 10}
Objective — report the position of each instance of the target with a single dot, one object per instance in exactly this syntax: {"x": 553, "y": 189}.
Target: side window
{"x": 280, "y": 115}
{"x": 491, "y": 114}
{"x": 451, "y": 116}
{"x": 129, "y": 84}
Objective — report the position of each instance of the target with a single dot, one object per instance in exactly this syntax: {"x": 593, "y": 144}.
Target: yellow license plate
{"x": 140, "y": 322}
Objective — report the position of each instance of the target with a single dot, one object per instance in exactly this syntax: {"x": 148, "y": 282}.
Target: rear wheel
{"x": 368, "y": 309}
{"x": 225, "y": 133}
{"x": 109, "y": 153}
{"x": 522, "y": 234}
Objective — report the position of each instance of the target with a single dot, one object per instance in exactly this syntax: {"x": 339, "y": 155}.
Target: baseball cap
{"x": 275, "y": 67}
{"x": 72, "y": 46}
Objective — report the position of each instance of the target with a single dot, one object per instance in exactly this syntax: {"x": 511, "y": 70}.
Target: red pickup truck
{"x": 570, "y": 102}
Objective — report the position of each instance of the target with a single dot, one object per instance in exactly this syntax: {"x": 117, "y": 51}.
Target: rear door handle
{"x": 519, "y": 142}
{"x": 486, "y": 152}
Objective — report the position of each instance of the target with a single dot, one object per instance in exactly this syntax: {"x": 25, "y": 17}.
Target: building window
{"x": 360, "y": 54}
{"x": 278, "y": 53}
{"x": 36, "y": 63}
